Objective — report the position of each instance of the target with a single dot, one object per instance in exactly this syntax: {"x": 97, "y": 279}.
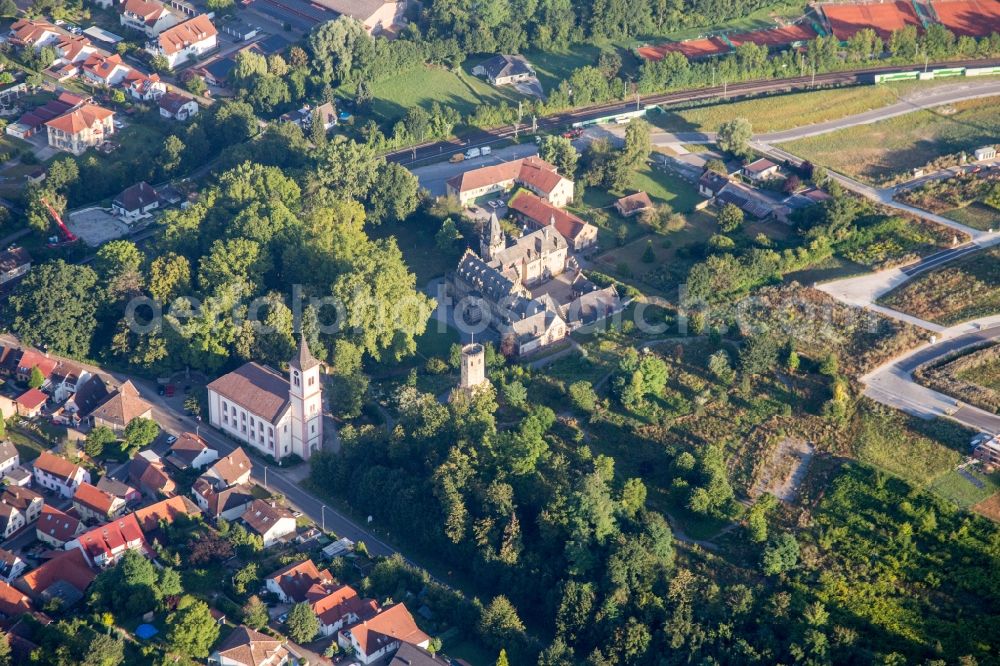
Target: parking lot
{"x": 96, "y": 226}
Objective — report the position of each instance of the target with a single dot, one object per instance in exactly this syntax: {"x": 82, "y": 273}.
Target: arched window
{"x": 295, "y": 378}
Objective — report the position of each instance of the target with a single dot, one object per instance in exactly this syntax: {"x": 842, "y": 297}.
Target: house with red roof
{"x": 30, "y": 359}
{"x": 66, "y": 576}
{"x": 57, "y": 473}
{"x": 371, "y": 640}
{"x": 13, "y": 602}
{"x": 143, "y": 87}
{"x": 29, "y": 404}
{"x": 73, "y": 49}
{"x": 119, "y": 408}
{"x": 93, "y": 504}
{"x": 342, "y": 607}
{"x": 246, "y": 647}
{"x": 106, "y": 544}
{"x": 150, "y": 18}
{"x": 165, "y": 512}
{"x": 84, "y": 127}
{"x": 34, "y": 33}
{"x": 56, "y": 527}
{"x": 148, "y": 473}
{"x": 531, "y": 173}
{"x": 186, "y": 41}
{"x": 105, "y": 70}
{"x": 295, "y": 582}
{"x": 537, "y": 213}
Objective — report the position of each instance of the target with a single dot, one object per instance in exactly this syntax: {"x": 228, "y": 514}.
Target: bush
{"x": 583, "y": 396}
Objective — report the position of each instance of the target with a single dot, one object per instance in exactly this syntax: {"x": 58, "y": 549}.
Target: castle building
{"x": 277, "y": 415}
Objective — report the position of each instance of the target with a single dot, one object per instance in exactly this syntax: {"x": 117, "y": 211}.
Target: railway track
{"x": 438, "y": 149}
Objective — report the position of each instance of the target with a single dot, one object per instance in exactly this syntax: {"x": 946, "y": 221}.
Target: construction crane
{"x": 67, "y": 235}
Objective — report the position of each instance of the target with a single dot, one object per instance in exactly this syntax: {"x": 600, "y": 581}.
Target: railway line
{"x": 439, "y": 149}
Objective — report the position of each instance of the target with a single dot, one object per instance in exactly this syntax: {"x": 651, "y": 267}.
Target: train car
{"x": 981, "y": 71}
{"x": 889, "y": 77}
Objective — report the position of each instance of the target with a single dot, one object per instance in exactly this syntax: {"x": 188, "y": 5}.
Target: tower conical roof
{"x": 304, "y": 360}
{"x": 494, "y": 232}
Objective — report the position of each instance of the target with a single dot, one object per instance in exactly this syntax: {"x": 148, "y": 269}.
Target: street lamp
{"x": 322, "y": 516}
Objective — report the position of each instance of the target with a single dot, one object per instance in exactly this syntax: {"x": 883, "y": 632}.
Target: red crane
{"x": 68, "y": 236}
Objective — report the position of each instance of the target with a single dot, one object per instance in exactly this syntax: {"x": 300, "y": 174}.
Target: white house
{"x": 190, "y": 451}
{"x": 106, "y": 544}
{"x": 11, "y": 565}
{"x": 246, "y": 647}
{"x": 136, "y": 202}
{"x": 277, "y": 416}
{"x": 186, "y": 41}
{"x": 270, "y": 521}
{"x": 342, "y": 607}
{"x": 985, "y": 153}
{"x": 371, "y": 640}
{"x": 18, "y": 507}
{"x": 292, "y": 583}
{"x": 58, "y": 474}
{"x": 760, "y": 170}
{"x": 9, "y": 457}
{"x": 178, "y": 107}
{"x": 150, "y": 18}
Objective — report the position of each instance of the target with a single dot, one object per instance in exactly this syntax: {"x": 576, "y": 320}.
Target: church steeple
{"x": 492, "y": 239}
{"x": 304, "y": 360}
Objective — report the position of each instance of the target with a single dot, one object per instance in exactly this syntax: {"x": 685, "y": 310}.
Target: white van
{"x": 487, "y": 150}
{"x": 472, "y": 152}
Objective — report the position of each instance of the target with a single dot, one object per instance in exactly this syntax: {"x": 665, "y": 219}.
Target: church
{"x": 278, "y": 415}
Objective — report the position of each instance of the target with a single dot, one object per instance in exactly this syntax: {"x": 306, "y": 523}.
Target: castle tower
{"x": 492, "y": 239}
{"x": 305, "y": 394}
{"x": 473, "y": 367}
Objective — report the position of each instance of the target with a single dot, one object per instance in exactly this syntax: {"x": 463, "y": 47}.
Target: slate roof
{"x": 490, "y": 282}
{"x": 502, "y": 66}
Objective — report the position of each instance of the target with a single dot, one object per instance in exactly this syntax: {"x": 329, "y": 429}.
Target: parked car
{"x": 171, "y": 439}
{"x": 457, "y": 157}
{"x": 472, "y": 152}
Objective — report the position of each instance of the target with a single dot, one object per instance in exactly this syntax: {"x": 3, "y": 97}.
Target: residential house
{"x": 13, "y": 603}
{"x": 135, "y": 202}
{"x": 29, "y": 404}
{"x": 633, "y": 204}
{"x": 277, "y": 416}
{"x": 9, "y": 457}
{"x": 65, "y": 576}
{"x": 27, "y": 502}
{"x": 82, "y": 128}
{"x": 225, "y": 504}
{"x": 304, "y": 117}
{"x": 502, "y": 70}
{"x": 56, "y": 527}
{"x": 56, "y": 473}
{"x": 15, "y": 263}
{"x": 165, "y": 512}
{"x": 30, "y": 359}
{"x": 106, "y": 544}
{"x": 33, "y": 122}
{"x": 11, "y": 565}
{"x": 120, "y": 407}
{"x": 537, "y": 213}
{"x": 64, "y": 380}
{"x": 147, "y": 472}
{"x": 190, "y": 451}
{"x": 125, "y": 492}
{"x": 246, "y": 647}
{"x": 411, "y": 655}
{"x": 293, "y": 583}
{"x": 178, "y": 107}
{"x": 93, "y": 504}
{"x": 186, "y": 41}
{"x": 711, "y": 183}
{"x": 231, "y": 470}
{"x": 105, "y": 70}
{"x": 11, "y": 520}
{"x": 150, "y": 18}
{"x": 34, "y": 33}
{"x": 73, "y": 49}
{"x": 532, "y": 173}
{"x": 760, "y": 170}
{"x": 371, "y": 640}
{"x": 342, "y": 607}
{"x": 217, "y": 71}
{"x": 90, "y": 392}
{"x": 143, "y": 87}
{"x": 270, "y": 521}
{"x": 988, "y": 453}
{"x": 377, "y": 16}
{"x": 17, "y": 476}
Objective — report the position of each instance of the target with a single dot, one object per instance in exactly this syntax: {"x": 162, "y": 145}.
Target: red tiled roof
{"x": 12, "y": 601}
{"x": 56, "y": 466}
{"x": 634, "y": 202}
{"x": 532, "y": 171}
{"x": 392, "y": 624}
{"x": 118, "y": 533}
{"x": 343, "y": 601}
{"x": 56, "y": 524}
{"x": 70, "y": 566}
{"x": 246, "y": 646}
{"x": 32, "y": 399}
{"x": 94, "y": 499}
{"x": 543, "y": 213}
{"x": 167, "y": 510}
{"x": 190, "y": 32}
{"x": 297, "y": 579}
{"x": 28, "y": 31}
{"x": 80, "y": 119}
{"x": 31, "y": 358}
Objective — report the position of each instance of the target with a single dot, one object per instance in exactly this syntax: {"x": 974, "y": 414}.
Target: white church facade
{"x": 275, "y": 414}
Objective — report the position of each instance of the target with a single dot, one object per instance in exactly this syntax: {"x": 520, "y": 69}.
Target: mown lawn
{"x": 882, "y": 151}
{"x": 425, "y": 85}
{"x": 665, "y": 188}
{"x": 553, "y": 67}
{"x": 962, "y": 491}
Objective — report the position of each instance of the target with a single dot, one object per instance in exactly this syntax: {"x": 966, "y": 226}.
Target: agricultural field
{"x": 782, "y": 112}
{"x": 884, "y": 151}
{"x": 963, "y": 290}
{"x": 973, "y": 377}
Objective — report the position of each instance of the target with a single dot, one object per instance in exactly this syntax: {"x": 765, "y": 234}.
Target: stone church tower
{"x": 305, "y": 394}
{"x": 492, "y": 239}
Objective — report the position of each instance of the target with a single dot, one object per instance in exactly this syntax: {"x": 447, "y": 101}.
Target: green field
{"x": 976, "y": 215}
{"x": 781, "y": 112}
{"x": 882, "y": 151}
{"x": 963, "y": 492}
{"x": 554, "y": 67}
{"x": 666, "y": 188}
{"x": 886, "y": 440}
{"x": 425, "y": 85}
{"x": 986, "y": 375}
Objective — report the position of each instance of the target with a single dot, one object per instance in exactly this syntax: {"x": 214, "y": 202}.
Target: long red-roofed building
{"x": 532, "y": 173}
{"x": 538, "y": 213}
